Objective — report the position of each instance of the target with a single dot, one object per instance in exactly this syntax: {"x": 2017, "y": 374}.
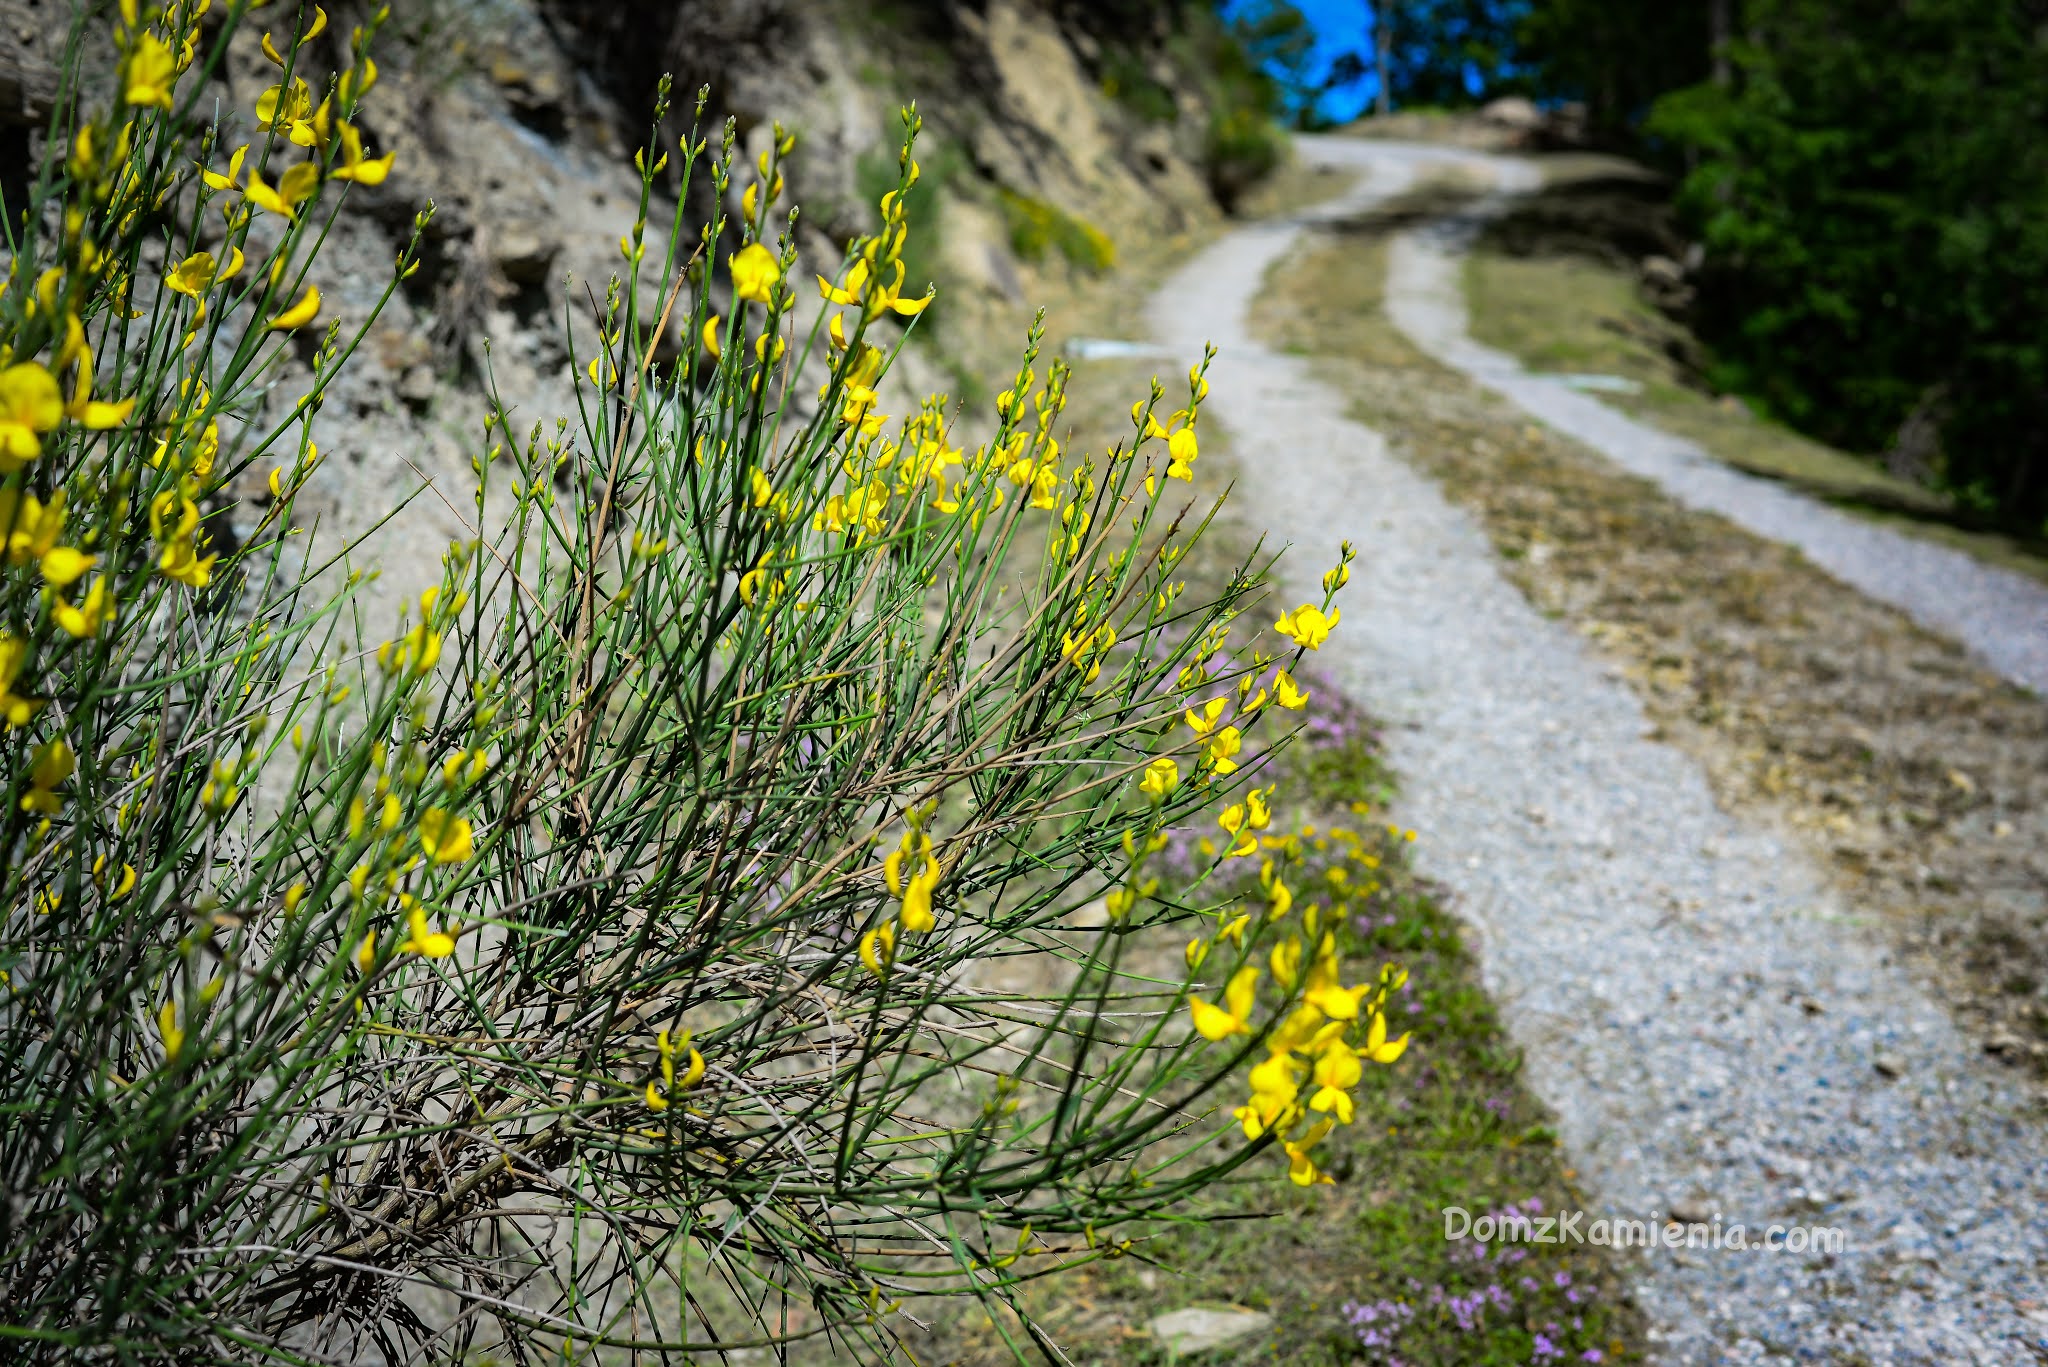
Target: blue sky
{"x": 1346, "y": 26}
{"x": 1341, "y": 26}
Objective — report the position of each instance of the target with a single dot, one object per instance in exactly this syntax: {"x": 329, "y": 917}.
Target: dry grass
{"x": 1920, "y": 778}
{"x": 1548, "y": 285}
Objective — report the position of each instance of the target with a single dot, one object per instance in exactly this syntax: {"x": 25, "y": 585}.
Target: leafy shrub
{"x": 598, "y": 961}
{"x": 1037, "y": 227}
{"x": 1125, "y": 78}
{"x": 876, "y": 174}
{"x": 1242, "y": 149}
{"x": 1872, "y": 193}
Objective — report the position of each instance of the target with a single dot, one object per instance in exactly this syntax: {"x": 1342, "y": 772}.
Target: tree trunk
{"x": 1720, "y": 27}
{"x": 1383, "y": 46}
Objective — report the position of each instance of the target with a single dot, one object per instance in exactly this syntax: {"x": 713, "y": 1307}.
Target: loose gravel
{"x": 1714, "y": 1028}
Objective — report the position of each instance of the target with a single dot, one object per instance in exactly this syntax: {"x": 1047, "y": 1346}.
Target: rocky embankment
{"x": 518, "y": 122}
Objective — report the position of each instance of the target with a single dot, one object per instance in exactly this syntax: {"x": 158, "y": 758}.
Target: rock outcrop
{"x": 518, "y": 119}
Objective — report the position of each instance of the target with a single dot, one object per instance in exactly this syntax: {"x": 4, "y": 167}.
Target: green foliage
{"x": 1872, "y": 191}
{"x": 1125, "y": 78}
{"x": 1616, "y": 56}
{"x": 1440, "y": 49}
{"x": 1037, "y": 227}
{"x": 587, "y": 957}
{"x": 875, "y": 173}
{"x": 1452, "y": 1124}
{"x": 1279, "y": 42}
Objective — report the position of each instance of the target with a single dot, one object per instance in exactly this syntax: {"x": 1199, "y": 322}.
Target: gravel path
{"x": 1696, "y": 1004}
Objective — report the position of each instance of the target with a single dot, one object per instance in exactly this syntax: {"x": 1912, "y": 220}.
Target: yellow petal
{"x": 63, "y": 565}
{"x": 299, "y": 314}
{"x": 298, "y": 184}
{"x": 369, "y": 171}
{"x": 99, "y": 417}
{"x": 1242, "y": 991}
{"x": 263, "y": 197}
{"x": 1212, "y": 1022}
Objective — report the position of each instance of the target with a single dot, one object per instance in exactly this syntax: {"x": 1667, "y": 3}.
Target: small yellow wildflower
{"x": 1307, "y": 625}
{"x": 1218, "y": 749}
{"x": 53, "y": 763}
{"x": 293, "y": 188}
{"x": 1286, "y": 961}
{"x": 290, "y": 110}
{"x": 1301, "y": 1169}
{"x": 1161, "y": 777}
{"x": 1337, "y": 1071}
{"x": 916, "y": 890}
{"x": 199, "y": 272}
{"x": 1287, "y": 693}
{"x": 863, "y": 290}
{"x": 1214, "y": 1022}
{"x": 431, "y": 944}
{"x": 445, "y": 838}
{"x": 299, "y": 314}
{"x": 149, "y": 72}
{"x": 31, "y": 529}
{"x": 755, "y": 273}
{"x": 231, "y": 181}
{"x": 30, "y": 405}
{"x": 175, "y": 523}
{"x": 357, "y": 167}
{"x": 167, "y": 1029}
{"x": 878, "y": 949}
{"x": 123, "y": 885}
{"x": 1378, "y": 1047}
{"x": 88, "y": 617}
{"x": 14, "y": 709}
{"x": 657, "y": 1097}
{"x": 1275, "y": 1088}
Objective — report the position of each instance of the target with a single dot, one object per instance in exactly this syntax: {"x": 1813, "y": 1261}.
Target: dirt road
{"x": 1658, "y": 959}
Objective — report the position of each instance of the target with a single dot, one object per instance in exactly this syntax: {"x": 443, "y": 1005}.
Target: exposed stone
{"x": 28, "y": 77}
{"x": 418, "y": 386}
{"x": 1513, "y": 111}
{"x": 1198, "y": 1328}
{"x": 523, "y": 254}
{"x": 1662, "y": 270}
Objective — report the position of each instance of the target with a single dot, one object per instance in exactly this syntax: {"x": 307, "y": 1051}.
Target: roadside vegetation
{"x": 1866, "y": 185}
{"x": 596, "y": 960}
{"x": 1361, "y": 1272}
{"x": 1914, "y": 773}
{"x": 1555, "y": 282}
